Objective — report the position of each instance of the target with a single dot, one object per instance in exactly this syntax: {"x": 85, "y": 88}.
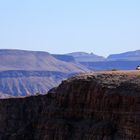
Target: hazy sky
{"x": 61, "y": 26}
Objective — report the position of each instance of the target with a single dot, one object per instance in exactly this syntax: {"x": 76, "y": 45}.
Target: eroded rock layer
{"x": 95, "y": 106}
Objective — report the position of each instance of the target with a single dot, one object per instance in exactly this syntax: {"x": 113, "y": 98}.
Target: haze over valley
{"x": 25, "y": 73}
{"x": 28, "y": 72}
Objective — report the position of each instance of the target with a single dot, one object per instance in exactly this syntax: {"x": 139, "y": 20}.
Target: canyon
{"x": 24, "y": 73}
{"x": 89, "y": 106}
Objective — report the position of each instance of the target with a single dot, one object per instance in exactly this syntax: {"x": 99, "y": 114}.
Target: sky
{"x": 61, "y": 26}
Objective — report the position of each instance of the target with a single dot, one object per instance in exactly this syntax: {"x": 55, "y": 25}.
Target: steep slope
{"x": 28, "y": 72}
{"x": 25, "y": 83}
{"x": 34, "y": 60}
{"x": 86, "y": 57}
{"x": 129, "y": 56}
{"x": 92, "y": 106}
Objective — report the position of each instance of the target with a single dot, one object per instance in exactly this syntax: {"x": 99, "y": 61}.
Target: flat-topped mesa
{"x": 91, "y": 106}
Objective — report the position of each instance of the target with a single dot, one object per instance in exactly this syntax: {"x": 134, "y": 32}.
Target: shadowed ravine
{"x": 92, "y": 106}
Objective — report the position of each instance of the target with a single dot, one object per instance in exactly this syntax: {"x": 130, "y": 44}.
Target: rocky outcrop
{"x": 93, "y": 106}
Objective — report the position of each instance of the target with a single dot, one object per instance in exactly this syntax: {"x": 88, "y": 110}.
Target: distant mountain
{"x": 123, "y": 61}
{"x": 129, "y": 56}
{"x": 35, "y": 60}
{"x": 109, "y": 65}
{"x": 86, "y": 57}
{"x": 29, "y": 72}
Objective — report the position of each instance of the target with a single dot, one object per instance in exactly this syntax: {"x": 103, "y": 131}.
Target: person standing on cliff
{"x": 138, "y": 67}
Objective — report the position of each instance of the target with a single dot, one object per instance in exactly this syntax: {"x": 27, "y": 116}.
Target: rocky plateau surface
{"x": 91, "y": 106}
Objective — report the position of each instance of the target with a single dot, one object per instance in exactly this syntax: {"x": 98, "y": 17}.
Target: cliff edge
{"x": 91, "y": 106}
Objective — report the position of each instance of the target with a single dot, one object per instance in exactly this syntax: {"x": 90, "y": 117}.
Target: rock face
{"x": 93, "y": 106}
{"x": 25, "y": 83}
{"x": 25, "y": 73}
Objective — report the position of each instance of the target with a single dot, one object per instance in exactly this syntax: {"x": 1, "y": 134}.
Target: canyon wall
{"x": 92, "y": 106}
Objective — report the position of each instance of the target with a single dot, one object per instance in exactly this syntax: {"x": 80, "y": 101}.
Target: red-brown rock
{"x": 95, "y": 106}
